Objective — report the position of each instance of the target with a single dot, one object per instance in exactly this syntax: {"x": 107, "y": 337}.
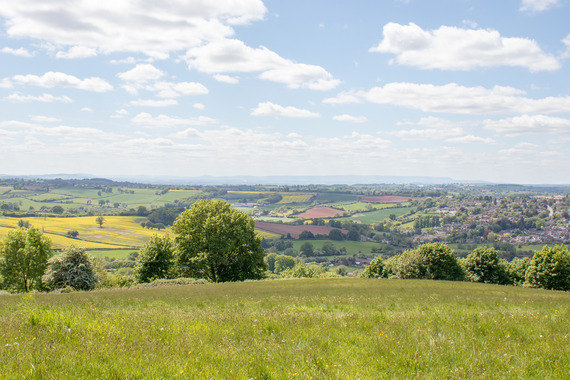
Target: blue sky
{"x": 473, "y": 90}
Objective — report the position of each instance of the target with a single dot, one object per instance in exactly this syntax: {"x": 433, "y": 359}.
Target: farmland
{"x": 319, "y": 328}
{"x": 320, "y": 212}
{"x": 293, "y": 230}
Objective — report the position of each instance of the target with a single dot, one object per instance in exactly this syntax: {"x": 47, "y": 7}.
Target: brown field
{"x": 294, "y": 230}
{"x": 384, "y": 199}
{"x": 321, "y": 212}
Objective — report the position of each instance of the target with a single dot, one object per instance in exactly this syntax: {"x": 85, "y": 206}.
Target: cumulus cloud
{"x": 350, "y": 118}
{"x": 57, "y": 79}
{"x": 77, "y": 52}
{"x": 20, "y": 52}
{"x": 45, "y": 98}
{"x": 226, "y": 79}
{"x": 529, "y": 124}
{"x": 452, "y": 48}
{"x": 109, "y": 26}
{"x": 231, "y": 55}
{"x": 453, "y": 98}
{"x": 44, "y": 119}
{"x": 141, "y": 73}
{"x": 154, "y": 103}
{"x": 470, "y": 139}
{"x": 270, "y": 109}
{"x": 538, "y": 5}
{"x": 164, "y": 121}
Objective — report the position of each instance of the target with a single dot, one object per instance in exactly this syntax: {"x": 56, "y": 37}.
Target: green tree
{"x": 72, "y": 234}
{"x": 484, "y": 265}
{"x": 375, "y": 269}
{"x": 219, "y": 243}
{"x": 550, "y": 268}
{"x": 434, "y": 261}
{"x": 336, "y": 234}
{"x": 73, "y": 267}
{"x": 307, "y": 249}
{"x": 283, "y": 262}
{"x": 517, "y": 270}
{"x": 100, "y": 220}
{"x": 23, "y": 259}
{"x": 155, "y": 259}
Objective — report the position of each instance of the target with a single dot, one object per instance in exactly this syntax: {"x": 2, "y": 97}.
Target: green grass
{"x": 352, "y": 247}
{"x": 372, "y": 217}
{"x": 112, "y": 253}
{"x": 287, "y": 329}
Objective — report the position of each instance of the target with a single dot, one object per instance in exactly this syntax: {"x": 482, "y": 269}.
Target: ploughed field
{"x": 288, "y": 329}
{"x": 293, "y": 229}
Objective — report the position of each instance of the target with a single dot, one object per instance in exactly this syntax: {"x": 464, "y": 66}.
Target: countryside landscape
{"x": 262, "y": 189}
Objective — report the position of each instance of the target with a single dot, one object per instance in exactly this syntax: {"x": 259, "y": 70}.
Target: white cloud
{"x": 44, "y": 119}
{"x": 529, "y": 124}
{"x": 109, "y": 26}
{"x": 54, "y": 79}
{"x": 199, "y": 106}
{"x": 470, "y": 139}
{"x": 77, "y": 52}
{"x": 20, "y": 52}
{"x": 231, "y": 55}
{"x": 350, "y": 118}
{"x": 87, "y": 109}
{"x": 270, "y": 109}
{"x": 164, "y": 121}
{"x": 142, "y": 73}
{"x": 538, "y": 5}
{"x": 226, "y": 79}
{"x": 452, "y": 48}
{"x": 45, "y": 98}
{"x": 172, "y": 90}
{"x": 154, "y": 103}
{"x": 453, "y": 98}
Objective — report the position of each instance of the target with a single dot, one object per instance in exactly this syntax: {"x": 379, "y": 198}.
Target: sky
{"x": 466, "y": 89}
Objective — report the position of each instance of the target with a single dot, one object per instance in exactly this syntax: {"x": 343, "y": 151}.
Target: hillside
{"x": 287, "y": 329}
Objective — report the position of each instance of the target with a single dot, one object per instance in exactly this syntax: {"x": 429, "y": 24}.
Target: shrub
{"x": 433, "y": 261}
{"x": 375, "y": 269}
{"x": 484, "y": 265}
{"x": 155, "y": 259}
{"x": 517, "y": 270}
{"x": 550, "y": 268}
{"x": 71, "y": 268}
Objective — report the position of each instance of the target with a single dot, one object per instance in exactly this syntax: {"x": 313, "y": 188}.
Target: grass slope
{"x": 287, "y": 329}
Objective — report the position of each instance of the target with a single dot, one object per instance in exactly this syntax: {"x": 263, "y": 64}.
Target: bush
{"x": 550, "y": 268}
{"x": 433, "y": 261}
{"x": 517, "y": 270}
{"x": 375, "y": 269}
{"x": 155, "y": 260}
{"x": 71, "y": 268}
{"x": 484, "y": 265}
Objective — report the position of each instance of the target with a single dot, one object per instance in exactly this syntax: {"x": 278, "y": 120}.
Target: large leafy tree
{"x": 484, "y": 265}
{"x": 434, "y": 261}
{"x": 217, "y": 242}
{"x": 73, "y": 267}
{"x": 155, "y": 259}
{"x": 375, "y": 269}
{"x": 550, "y": 268}
{"x": 23, "y": 259}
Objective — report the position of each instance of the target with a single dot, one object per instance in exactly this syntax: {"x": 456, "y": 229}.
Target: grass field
{"x": 352, "y": 247}
{"x": 372, "y": 217}
{"x": 288, "y": 329}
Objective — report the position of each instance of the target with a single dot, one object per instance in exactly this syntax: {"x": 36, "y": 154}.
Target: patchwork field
{"x": 321, "y": 212}
{"x": 294, "y": 230}
{"x": 372, "y": 217}
{"x": 289, "y": 329}
{"x": 384, "y": 199}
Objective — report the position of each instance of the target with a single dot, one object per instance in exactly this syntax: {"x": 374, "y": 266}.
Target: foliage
{"x": 517, "y": 268}
{"x": 484, "y": 265}
{"x": 550, "y": 268}
{"x": 434, "y": 261}
{"x": 306, "y": 249}
{"x": 219, "y": 243}
{"x": 71, "y": 268}
{"x": 72, "y": 234}
{"x": 374, "y": 269}
{"x": 100, "y": 220}
{"x": 302, "y": 270}
{"x": 23, "y": 258}
{"x": 155, "y": 259}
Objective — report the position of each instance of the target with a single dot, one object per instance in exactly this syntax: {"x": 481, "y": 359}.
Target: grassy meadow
{"x": 289, "y": 329}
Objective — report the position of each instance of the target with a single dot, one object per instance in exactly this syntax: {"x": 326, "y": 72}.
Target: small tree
{"x": 517, "y": 270}
{"x": 100, "y": 220}
{"x": 434, "y": 261}
{"x": 155, "y": 259}
{"x": 73, "y": 267}
{"x": 72, "y": 234}
{"x": 550, "y": 268}
{"x": 375, "y": 269}
{"x": 484, "y": 265}
{"x": 23, "y": 259}
{"x": 217, "y": 242}
{"x": 306, "y": 249}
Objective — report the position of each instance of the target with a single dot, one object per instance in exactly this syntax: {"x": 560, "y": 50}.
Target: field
{"x": 294, "y": 230}
{"x": 384, "y": 199}
{"x": 320, "y": 212}
{"x": 372, "y": 217}
{"x": 352, "y": 247}
{"x": 288, "y": 329}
